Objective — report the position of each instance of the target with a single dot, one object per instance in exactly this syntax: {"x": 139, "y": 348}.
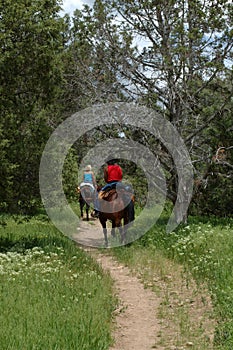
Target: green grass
{"x": 204, "y": 247}
{"x": 53, "y": 296}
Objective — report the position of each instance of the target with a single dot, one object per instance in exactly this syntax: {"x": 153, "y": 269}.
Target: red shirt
{"x": 114, "y": 173}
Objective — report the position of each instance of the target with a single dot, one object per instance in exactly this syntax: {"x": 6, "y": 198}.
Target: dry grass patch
{"x": 185, "y": 312}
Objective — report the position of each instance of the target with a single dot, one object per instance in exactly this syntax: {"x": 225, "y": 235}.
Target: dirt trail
{"x": 138, "y": 326}
{"x": 136, "y": 322}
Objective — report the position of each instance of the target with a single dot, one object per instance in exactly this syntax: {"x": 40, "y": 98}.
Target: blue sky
{"x": 70, "y": 5}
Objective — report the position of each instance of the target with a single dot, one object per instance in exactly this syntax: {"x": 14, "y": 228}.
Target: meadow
{"x": 204, "y": 249}
{"x": 53, "y": 295}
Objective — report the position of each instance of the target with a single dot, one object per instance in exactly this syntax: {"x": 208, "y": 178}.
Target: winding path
{"x": 137, "y": 325}
{"x": 135, "y": 319}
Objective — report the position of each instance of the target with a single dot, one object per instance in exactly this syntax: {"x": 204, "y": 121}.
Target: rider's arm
{"x": 94, "y": 180}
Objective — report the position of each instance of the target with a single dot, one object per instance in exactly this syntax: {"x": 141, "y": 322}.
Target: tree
{"x": 31, "y": 41}
{"x": 90, "y": 76}
{"x": 183, "y": 70}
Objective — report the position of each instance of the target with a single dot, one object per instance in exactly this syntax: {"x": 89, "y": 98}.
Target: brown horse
{"x": 86, "y": 196}
{"x": 116, "y": 206}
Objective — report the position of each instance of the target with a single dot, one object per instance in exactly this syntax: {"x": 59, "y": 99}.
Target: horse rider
{"x": 89, "y": 178}
{"x": 113, "y": 175}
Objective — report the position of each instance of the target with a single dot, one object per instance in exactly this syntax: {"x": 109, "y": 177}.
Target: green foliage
{"x": 70, "y": 174}
{"x": 214, "y": 173}
{"x": 31, "y": 41}
{"x": 212, "y": 197}
{"x": 90, "y": 77}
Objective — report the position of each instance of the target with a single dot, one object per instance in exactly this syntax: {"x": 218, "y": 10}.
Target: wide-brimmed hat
{"x": 111, "y": 159}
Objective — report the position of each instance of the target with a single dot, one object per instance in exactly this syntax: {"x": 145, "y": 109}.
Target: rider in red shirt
{"x": 113, "y": 172}
{"x": 113, "y": 175}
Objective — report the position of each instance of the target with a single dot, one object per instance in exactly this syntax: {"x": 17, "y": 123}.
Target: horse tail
{"x": 131, "y": 212}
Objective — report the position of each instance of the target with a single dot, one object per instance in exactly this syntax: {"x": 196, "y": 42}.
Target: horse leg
{"x": 81, "y": 209}
{"x": 103, "y": 223}
{"x": 122, "y": 233}
{"x": 113, "y": 230}
{"x": 105, "y": 236}
{"x": 87, "y": 212}
{"x": 121, "y": 230}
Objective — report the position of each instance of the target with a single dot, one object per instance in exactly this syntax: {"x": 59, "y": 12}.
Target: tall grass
{"x": 53, "y": 296}
{"x": 205, "y": 248}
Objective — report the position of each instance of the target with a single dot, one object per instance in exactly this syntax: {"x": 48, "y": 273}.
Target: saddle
{"x": 107, "y": 195}
{"x": 127, "y": 196}
{"x": 87, "y": 185}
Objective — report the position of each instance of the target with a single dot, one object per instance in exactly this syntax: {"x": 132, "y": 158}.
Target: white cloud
{"x": 70, "y": 5}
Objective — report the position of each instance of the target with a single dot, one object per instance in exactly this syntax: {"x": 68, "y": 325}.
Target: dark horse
{"x": 116, "y": 206}
{"x": 86, "y": 196}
